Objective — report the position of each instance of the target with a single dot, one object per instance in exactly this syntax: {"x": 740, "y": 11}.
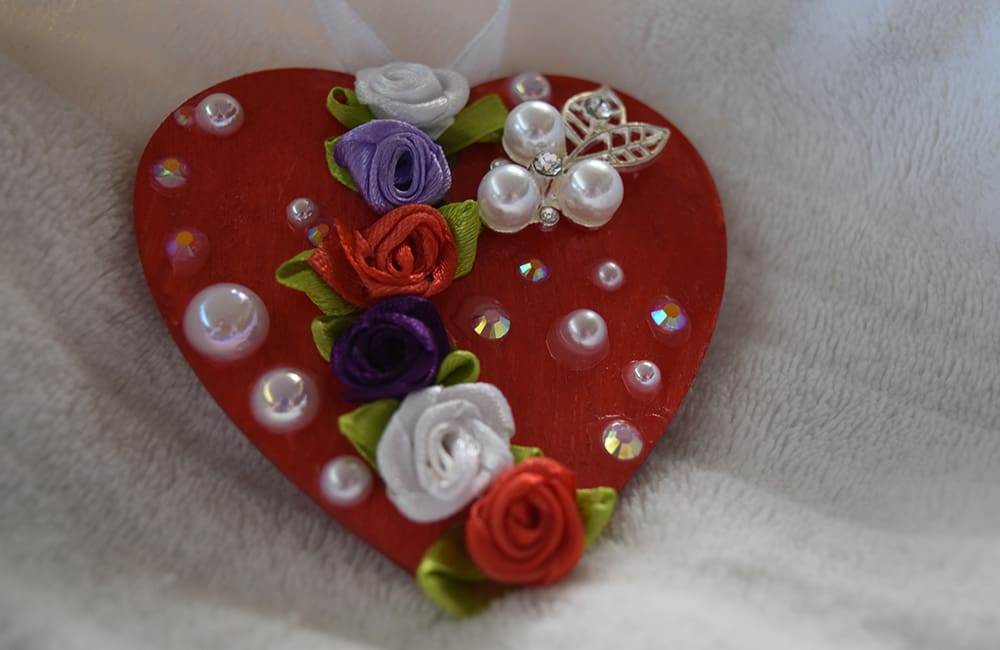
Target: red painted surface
{"x": 668, "y": 236}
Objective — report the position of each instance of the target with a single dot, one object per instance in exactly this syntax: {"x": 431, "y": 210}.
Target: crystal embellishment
{"x": 534, "y": 270}
{"x": 622, "y": 440}
{"x": 171, "y": 173}
{"x": 530, "y": 86}
{"x": 547, "y": 163}
{"x": 490, "y": 322}
{"x": 667, "y": 315}
{"x": 599, "y": 108}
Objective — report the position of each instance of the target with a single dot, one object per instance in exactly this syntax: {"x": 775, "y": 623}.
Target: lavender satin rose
{"x": 413, "y": 93}
{"x": 393, "y": 164}
{"x": 392, "y": 350}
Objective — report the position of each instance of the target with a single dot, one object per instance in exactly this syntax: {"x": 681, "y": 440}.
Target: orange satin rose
{"x": 526, "y": 529}
{"x": 408, "y": 251}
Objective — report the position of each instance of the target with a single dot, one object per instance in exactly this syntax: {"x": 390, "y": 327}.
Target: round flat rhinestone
{"x": 530, "y": 86}
{"x": 548, "y": 216}
{"x": 667, "y": 316}
{"x": 171, "y": 172}
{"x": 622, "y": 440}
{"x": 490, "y": 321}
{"x": 547, "y": 163}
{"x": 533, "y": 270}
{"x": 184, "y": 116}
{"x": 187, "y": 251}
{"x": 318, "y": 233}
{"x": 599, "y": 108}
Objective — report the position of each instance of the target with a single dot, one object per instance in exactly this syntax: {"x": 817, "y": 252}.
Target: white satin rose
{"x": 443, "y": 447}
{"x": 413, "y": 93}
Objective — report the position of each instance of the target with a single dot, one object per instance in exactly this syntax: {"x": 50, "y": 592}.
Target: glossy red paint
{"x": 668, "y": 236}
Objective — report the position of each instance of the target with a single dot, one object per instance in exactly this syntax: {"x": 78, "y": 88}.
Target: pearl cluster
{"x": 539, "y": 186}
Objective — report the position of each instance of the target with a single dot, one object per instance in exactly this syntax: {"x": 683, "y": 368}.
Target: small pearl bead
{"x": 284, "y": 400}
{"x": 530, "y": 129}
{"x": 608, "y": 275}
{"x": 219, "y": 114}
{"x": 301, "y": 214}
{"x": 590, "y": 193}
{"x": 642, "y": 379}
{"x": 226, "y": 322}
{"x": 508, "y": 198}
{"x": 579, "y": 340}
{"x": 346, "y": 481}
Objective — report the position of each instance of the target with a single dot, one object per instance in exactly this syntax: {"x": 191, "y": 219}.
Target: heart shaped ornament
{"x": 460, "y": 332}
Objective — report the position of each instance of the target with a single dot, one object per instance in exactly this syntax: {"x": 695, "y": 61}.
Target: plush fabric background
{"x": 833, "y": 479}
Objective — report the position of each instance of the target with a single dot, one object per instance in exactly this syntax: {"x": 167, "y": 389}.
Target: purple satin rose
{"x": 393, "y": 164}
{"x": 392, "y": 350}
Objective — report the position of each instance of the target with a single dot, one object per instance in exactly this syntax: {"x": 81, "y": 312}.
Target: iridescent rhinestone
{"x": 667, "y": 316}
{"x": 599, "y": 108}
{"x": 301, "y": 213}
{"x": 490, "y": 321}
{"x": 534, "y": 270}
{"x": 622, "y": 440}
{"x": 187, "y": 251}
{"x": 184, "y": 115}
{"x": 171, "y": 172}
{"x": 219, "y": 114}
{"x": 318, "y": 233}
{"x": 547, "y": 163}
{"x": 548, "y": 216}
{"x": 608, "y": 275}
{"x": 529, "y": 86}
{"x": 499, "y": 162}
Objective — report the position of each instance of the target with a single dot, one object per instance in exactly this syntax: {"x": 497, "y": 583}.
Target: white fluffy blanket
{"x": 832, "y": 481}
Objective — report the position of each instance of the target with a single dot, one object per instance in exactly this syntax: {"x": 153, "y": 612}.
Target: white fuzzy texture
{"x": 832, "y": 480}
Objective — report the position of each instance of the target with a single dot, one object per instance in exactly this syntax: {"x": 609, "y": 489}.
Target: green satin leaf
{"x": 463, "y": 219}
{"x": 448, "y": 576}
{"x": 297, "y": 274}
{"x": 338, "y": 172}
{"x": 343, "y": 104}
{"x": 596, "y": 506}
{"x": 522, "y": 454}
{"x": 480, "y": 121}
{"x": 459, "y": 367}
{"x": 326, "y": 329}
{"x": 364, "y": 426}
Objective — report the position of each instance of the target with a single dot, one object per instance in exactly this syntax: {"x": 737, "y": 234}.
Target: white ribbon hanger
{"x": 358, "y": 47}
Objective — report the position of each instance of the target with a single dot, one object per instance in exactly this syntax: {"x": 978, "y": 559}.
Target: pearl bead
{"x": 590, "y": 193}
{"x": 284, "y": 400}
{"x": 608, "y": 275}
{"x": 530, "y": 129}
{"x": 642, "y": 379}
{"x": 219, "y": 114}
{"x": 301, "y": 213}
{"x": 226, "y": 322}
{"x": 579, "y": 340}
{"x": 508, "y": 198}
{"x": 346, "y": 481}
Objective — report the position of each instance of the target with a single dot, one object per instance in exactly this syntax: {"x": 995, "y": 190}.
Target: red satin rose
{"x": 408, "y": 251}
{"x": 526, "y": 529}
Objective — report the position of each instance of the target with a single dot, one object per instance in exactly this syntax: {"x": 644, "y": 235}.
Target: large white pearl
{"x": 579, "y": 340}
{"x": 508, "y": 198}
{"x": 284, "y": 400}
{"x": 530, "y": 129}
{"x": 346, "y": 481}
{"x": 590, "y": 193}
{"x": 219, "y": 114}
{"x": 226, "y": 322}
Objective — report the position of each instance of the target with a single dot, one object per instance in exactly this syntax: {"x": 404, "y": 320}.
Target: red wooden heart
{"x": 668, "y": 236}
